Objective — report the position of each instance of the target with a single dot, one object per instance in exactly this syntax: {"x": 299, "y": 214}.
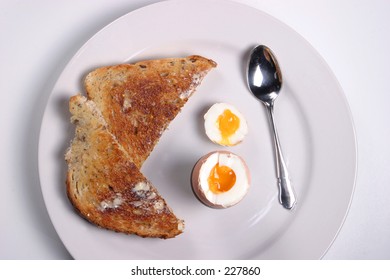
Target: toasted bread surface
{"x": 105, "y": 186}
{"x": 138, "y": 101}
{"x": 117, "y": 126}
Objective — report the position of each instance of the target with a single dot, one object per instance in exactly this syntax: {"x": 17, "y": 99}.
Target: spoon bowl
{"x": 264, "y": 75}
{"x": 265, "y": 81}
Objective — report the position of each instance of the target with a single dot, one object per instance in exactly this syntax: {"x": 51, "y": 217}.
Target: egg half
{"x": 225, "y": 125}
{"x": 220, "y": 179}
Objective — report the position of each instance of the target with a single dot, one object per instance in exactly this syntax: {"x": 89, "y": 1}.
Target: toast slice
{"x": 138, "y": 101}
{"x": 104, "y": 184}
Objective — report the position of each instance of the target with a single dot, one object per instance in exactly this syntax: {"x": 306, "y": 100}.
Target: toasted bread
{"x": 105, "y": 186}
{"x": 128, "y": 108}
{"x": 138, "y": 101}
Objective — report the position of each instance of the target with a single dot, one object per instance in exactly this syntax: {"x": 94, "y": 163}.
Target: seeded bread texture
{"x": 118, "y": 124}
{"x": 138, "y": 101}
{"x": 104, "y": 184}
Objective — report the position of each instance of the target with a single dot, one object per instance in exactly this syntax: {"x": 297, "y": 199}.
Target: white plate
{"x": 312, "y": 116}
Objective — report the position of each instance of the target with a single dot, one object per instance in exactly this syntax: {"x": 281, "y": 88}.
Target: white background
{"x": 39, "y": 37}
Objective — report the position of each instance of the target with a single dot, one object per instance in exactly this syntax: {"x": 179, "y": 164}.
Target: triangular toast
{"x": 106, "y": 187}
{"x": 138, "y": 101}
{"x": 128, "y": 108}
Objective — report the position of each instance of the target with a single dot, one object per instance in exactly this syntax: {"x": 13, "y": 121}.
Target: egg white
{"x": 211, "y": 125}
{"x": 241, "y": 186}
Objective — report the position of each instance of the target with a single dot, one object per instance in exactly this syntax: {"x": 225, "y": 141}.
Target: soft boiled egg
{"x": 225, "y": 125}
{"x": 220, "y": 179}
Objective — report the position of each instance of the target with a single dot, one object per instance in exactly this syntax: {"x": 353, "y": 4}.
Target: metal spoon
{"x": 265, "y": 81}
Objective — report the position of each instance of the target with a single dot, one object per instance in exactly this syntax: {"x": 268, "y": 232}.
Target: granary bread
{"x": 118, "y": 124}
{"x": 105, "y": 186}
{"x": 138, "y": 101}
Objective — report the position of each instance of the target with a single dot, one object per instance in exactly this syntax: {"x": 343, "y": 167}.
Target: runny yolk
{"x": 221, "y": 179}
{"x": 228, "y": 124}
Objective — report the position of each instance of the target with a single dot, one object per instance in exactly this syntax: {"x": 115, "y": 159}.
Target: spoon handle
{"x": 286, "y": 193}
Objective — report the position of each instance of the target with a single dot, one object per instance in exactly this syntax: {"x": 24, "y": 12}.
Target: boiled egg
{"x": 220, "y": 179}
{"x": 225, "y": 125}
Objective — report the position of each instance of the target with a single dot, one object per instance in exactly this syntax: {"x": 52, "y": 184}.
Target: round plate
{"x": 319, "y": 146}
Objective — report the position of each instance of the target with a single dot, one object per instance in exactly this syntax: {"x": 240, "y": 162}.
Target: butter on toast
{"x": 104, "y": 184}
{"x": 138, "y": 101}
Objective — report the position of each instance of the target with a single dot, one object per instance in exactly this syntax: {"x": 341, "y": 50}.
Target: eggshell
{"x": 198, "y": 190}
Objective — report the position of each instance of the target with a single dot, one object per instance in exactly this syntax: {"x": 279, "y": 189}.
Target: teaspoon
{"x": 265, "y": 81}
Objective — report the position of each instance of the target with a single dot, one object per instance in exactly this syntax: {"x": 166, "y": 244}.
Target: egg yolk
{"x": 221, "y": 179}
{"x": 228, "y": 124}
